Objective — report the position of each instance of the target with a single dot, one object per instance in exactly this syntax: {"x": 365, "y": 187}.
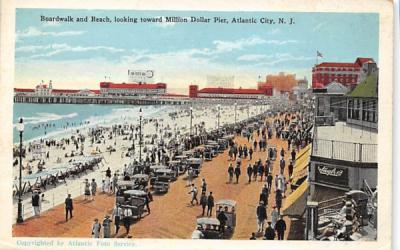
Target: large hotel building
{"x": 348, "y": 74}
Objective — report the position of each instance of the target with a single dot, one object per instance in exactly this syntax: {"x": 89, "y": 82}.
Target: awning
{"x": 300, "y": 169}
{"x": 295, "y": 203}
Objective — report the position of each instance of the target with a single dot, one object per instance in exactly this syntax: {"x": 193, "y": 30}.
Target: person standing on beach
{"x": 114, "y": 183}
{"x": 269, "y": 232}
{"x": 94, "y": 188}
{"x": 230, "y": 172}
{"x": 87, "y": 189}
{"x": 255, "y": 171}
{"x": 290, "y": 169}
{"x": 251, "y": 153}
{"x": 261, "y": 216}
{"x": 68, "y": 207}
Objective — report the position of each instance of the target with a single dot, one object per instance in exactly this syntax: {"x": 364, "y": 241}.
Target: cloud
{"x": 277, "y": 42}
{"x": 33, "y": 32}
{"x": 227, "y": 46}
{"x": 55, "y": 49}
{"x": 252, "y": 57}
{"x": 51, "y": 24}
{"x": 283, "y": 57}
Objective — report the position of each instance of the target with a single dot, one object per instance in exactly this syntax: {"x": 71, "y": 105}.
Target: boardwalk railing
{"x": 347, "y": 151}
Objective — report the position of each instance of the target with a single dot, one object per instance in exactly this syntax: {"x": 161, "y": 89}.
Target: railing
{"x": 347, "y": 151}
{"x": 324, "y": 121}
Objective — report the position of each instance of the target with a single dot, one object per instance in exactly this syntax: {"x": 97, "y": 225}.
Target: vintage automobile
{"x": 178, "y": 167}
{"x": 229, "y": 208}
{"x": 195, "y": 164}
{"x": 135, "y": 200}
{"x": 209, "y": 227}
{"x": 142, "y": 180}
{"x": 162, "y": 179}
{"x": 153, "y": 171}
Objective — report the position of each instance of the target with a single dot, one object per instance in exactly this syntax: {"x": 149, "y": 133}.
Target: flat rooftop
{"x": 347, "y": 133}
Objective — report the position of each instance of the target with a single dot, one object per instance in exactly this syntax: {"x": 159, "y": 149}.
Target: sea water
{"x": 63, "y": 119}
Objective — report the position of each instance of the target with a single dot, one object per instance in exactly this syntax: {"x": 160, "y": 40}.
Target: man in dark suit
{"x": 68, "y": 207}
{"x": 210, "y": 204}
{"x": 269, "y": 232}
{"x": 280, "y": 228}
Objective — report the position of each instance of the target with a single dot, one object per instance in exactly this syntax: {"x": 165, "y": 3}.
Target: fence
{"x": 347, "y": 151}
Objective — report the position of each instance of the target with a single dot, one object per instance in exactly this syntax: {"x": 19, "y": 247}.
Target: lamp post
{"x": 248, "y": 110}
{"x": 235, "y": 111}
{"x": 20, "y": 128}
{"x": 140, "y": 135}
{"x": 191, "y": 117}
{"x": 219, "y": 114}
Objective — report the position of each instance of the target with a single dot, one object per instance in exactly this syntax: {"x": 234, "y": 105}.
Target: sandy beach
{"x": 177, "y": 123}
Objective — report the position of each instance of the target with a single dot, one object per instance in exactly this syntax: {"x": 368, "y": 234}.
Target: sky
{"x": 80, "y": 55}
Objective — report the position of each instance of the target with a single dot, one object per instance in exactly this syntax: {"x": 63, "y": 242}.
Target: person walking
{"x": 96, "y": 227}
{"x": 274, "y": 216}
{"x": 282, "y": 153}
{"x": 290, "y": 169}
{"x": 87, "y": 189}
{"x": 251, "y": 153}
{"x": 261, "y": 171}
{"x": 269, "y": 182}
{"x": 116, "y": 214}
{"x": 222, "y": 220}
{"x": 210, "y": 204}
{"x": 237, "y": 173}
{"x": 36, "y": 202}
{"x": 230, "y": 172}
{"x": 127, "y": 220}
{"x": 255, "y": 171}
{"x": 203, "y": 202}
{"x": 249, "y": 172}
{"x": 148, "y": 199}
{"x": 278, "y": 199}
{"x": 293, "y": 153}
{"x": 264, "y": 198}
{"x": 282, "y": 164}
{"x": 280, "y": 228}
{"x": 68, "y": 207}
{"x": 203, "y": 185}
{"x": 106, "y": 226}
{"x": 114, "y": 184}
{"x": 261, "y": 216}
{"x": 269, "y": 232}
{"x": 193, "y": 191}
{"x": 94, "y": 188}
{"x": 190, "y": 176}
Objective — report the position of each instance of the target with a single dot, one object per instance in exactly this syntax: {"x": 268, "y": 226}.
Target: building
{"x": 282, "y": 82}
{"x": 220, "y": 81}
{"x": 301, "y": 89}
{"x": 132, "y": 89}
{"x": 362, "y": 104}
{"x": 48, "y": 90}
{"x": 228, "y": 93}
{"x": 348, "y": 74}
{"x": 331, "y": 103}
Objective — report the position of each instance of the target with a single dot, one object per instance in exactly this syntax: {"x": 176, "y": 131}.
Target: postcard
{"x": 188, "y": 125}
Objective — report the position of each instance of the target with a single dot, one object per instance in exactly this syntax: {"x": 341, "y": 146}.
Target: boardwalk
{"x": 171, "y": 216}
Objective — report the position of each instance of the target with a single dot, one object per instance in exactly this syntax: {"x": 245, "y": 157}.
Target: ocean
{"x": 67, "y": 118}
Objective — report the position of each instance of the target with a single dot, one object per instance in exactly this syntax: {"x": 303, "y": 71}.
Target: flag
{"x": 319, "y": 54}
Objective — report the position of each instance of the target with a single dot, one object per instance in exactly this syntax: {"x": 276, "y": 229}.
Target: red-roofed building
{"x": 348, "y": 74}
{"x": 132, "y": 89}
{"x": 228, "y": 93}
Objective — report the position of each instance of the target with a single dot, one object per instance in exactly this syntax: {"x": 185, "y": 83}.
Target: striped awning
{"x": 295, "y": 203}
